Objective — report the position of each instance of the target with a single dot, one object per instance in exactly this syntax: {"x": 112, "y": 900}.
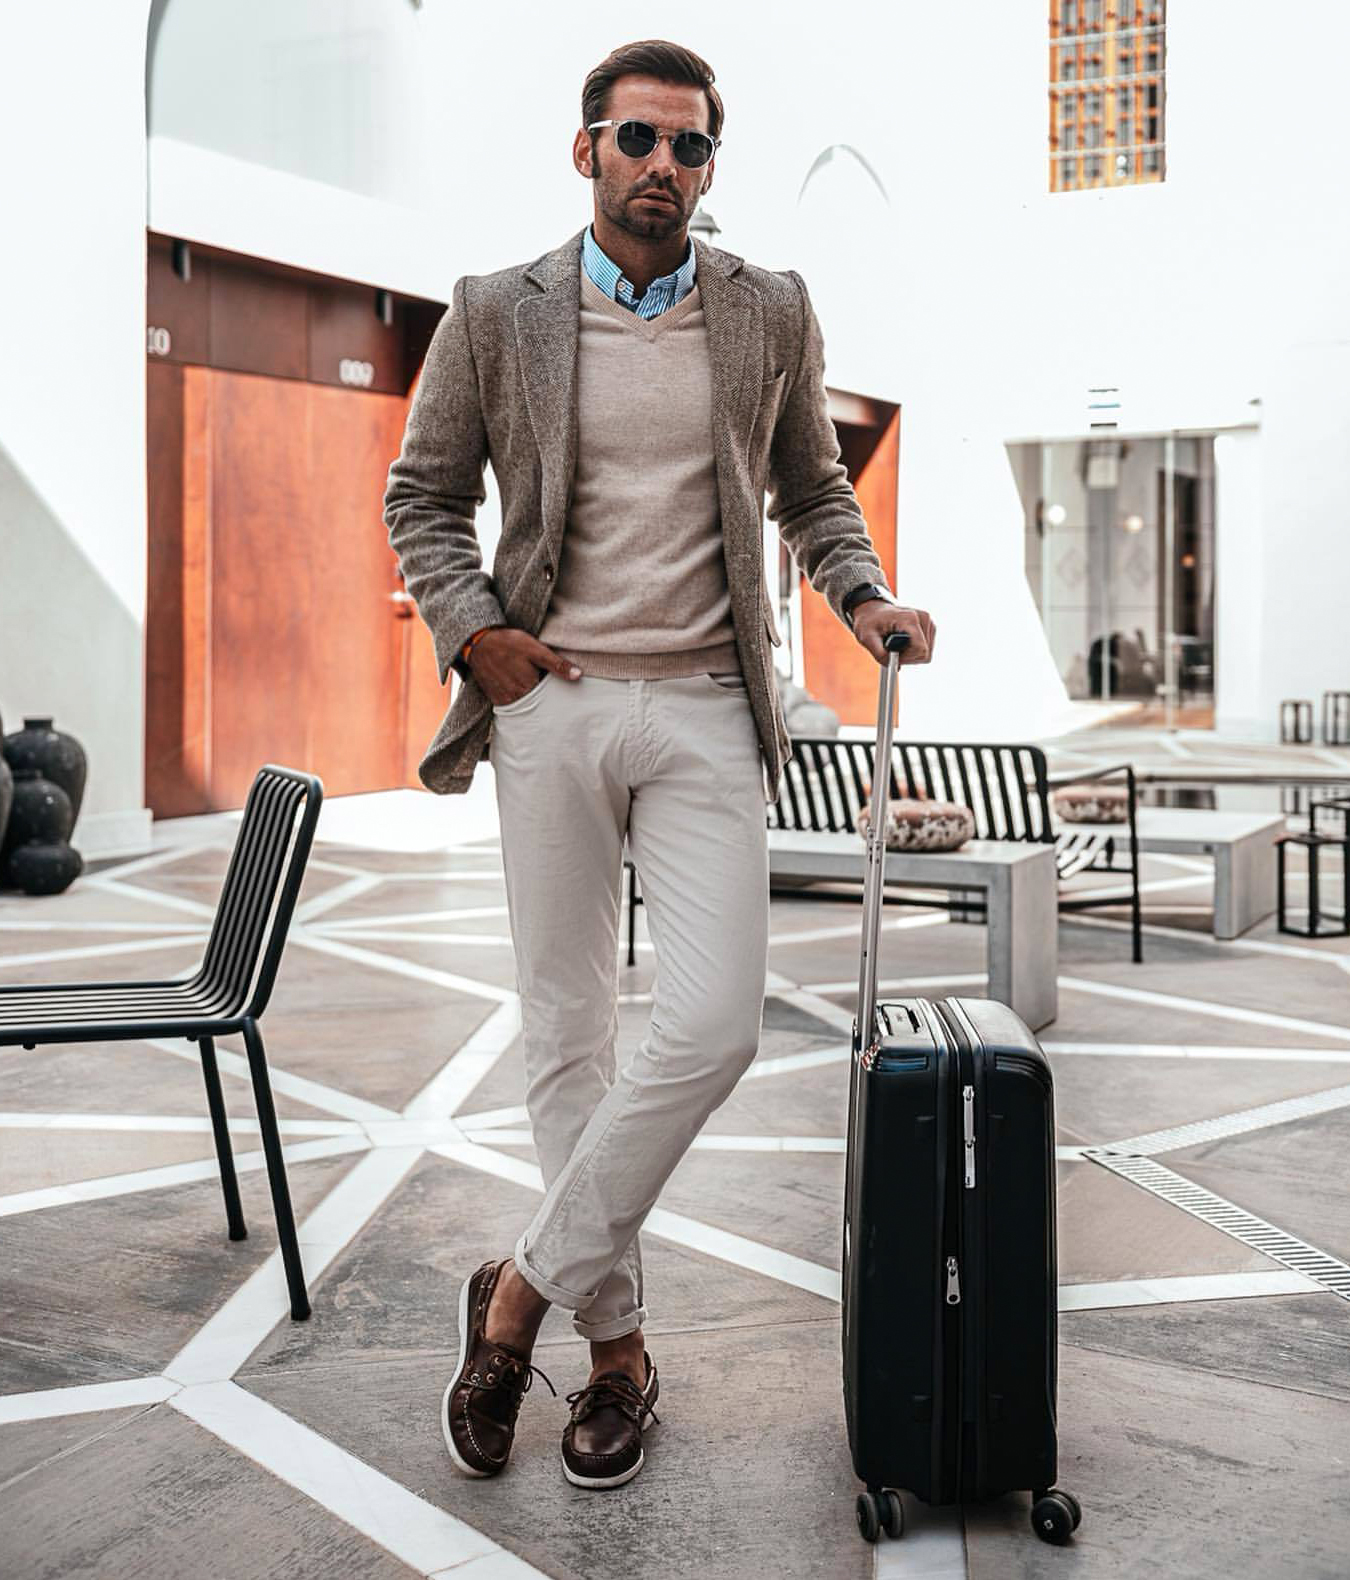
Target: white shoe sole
{"x": 460, "y": 1465}
{"x": 600, "y": 1482}
{"x": 603, "y": 1481}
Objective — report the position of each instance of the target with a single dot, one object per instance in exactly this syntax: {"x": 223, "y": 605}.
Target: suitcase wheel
{"x": 869, "y": 1520}
{"x": 880, "y": 1511}
{"x": 1055, "y": 1516}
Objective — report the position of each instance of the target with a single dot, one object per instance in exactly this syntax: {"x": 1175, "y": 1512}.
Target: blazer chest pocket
{"x": 766, "y": 416}
{"x": 770, "y": 392}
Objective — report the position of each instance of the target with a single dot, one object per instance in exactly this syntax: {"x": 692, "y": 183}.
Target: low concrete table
{"x": 1020, "y": 886}
{"x": 1242, "y": 845}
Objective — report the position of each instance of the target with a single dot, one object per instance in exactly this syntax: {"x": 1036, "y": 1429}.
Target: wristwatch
{"x": 865, "y": 594}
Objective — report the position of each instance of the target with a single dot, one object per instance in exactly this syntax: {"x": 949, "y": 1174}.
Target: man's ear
{"x": 581, "y": 153}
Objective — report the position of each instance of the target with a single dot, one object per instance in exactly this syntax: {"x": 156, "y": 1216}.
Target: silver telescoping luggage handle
{"x": 874, "y": 869}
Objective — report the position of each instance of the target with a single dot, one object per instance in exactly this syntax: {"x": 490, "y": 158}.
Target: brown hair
{"x": 652, "y": 57}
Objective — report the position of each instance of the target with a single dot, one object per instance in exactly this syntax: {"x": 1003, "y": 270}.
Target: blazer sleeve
{"x": 810, "y": 497}
{"x": 434, "y": 489}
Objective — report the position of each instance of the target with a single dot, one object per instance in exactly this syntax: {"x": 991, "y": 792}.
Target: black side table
{"x": 1339, "y": 924}
{"x": 1333, "y": 806}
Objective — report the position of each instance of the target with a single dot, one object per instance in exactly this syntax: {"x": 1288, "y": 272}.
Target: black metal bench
{"x": 1007, "y": 788}
{"x": 225, "y": 996}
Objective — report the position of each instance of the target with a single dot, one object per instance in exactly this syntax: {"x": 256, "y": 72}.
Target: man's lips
{"x": 656, "y": 197}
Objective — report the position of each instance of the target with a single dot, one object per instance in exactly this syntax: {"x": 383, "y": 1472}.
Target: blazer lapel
{"x": 735, "y": 318}
{"x": 546, "y": 345}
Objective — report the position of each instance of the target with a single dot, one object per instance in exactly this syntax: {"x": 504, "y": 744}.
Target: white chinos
{"x": 675, "y": 764}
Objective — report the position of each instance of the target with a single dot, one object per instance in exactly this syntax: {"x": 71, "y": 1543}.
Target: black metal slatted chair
{"x": 225, "y": 996}
{"x": 826, "y": 782}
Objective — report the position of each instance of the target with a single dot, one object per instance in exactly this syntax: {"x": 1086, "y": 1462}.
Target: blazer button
{"x": 548, "y": 573}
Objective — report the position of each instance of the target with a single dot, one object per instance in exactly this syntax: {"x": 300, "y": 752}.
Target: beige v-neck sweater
{"x": 641, "y": 590}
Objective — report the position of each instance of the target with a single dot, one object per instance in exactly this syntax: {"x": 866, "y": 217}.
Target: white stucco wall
{"x": 978, "y": 300}
{"x": 72, "y": 408}
{"x": 984, "y": 304}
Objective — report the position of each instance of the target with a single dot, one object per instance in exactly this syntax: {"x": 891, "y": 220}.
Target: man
{"x": 635, "y": 392}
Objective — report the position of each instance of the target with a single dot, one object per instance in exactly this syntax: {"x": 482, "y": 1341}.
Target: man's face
{"x": 656, "y": 196}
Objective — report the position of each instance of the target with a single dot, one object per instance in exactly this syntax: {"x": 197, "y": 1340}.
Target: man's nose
{"x": 661, "y": 161}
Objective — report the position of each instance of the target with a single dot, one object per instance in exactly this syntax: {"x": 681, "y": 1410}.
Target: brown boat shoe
{"x": 602, "y": 1443}
{"x": 481, "y": 1402}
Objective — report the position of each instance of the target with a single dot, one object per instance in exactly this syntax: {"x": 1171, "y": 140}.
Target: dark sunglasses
{"x": 637, "y": 139}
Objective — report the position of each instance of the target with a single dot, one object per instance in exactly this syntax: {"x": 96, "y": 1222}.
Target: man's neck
{"x": 641, "y": 260}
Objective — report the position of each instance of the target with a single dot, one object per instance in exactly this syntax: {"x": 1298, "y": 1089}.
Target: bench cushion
{"x": 1092, "y": 803}
{"x": 923, "y": 825}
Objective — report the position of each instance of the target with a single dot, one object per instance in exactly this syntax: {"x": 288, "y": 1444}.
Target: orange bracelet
{"x": 467, "y": 649}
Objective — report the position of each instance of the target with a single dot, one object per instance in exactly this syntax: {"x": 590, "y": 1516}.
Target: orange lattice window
{"x": 1106, "y": 93}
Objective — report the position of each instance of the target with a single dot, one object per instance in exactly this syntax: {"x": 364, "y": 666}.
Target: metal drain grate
{"x": 1236, "y": 1221}
{"x": 1237, "y": 1124}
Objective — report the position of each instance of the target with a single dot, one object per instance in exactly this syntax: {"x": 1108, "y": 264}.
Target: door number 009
{"x": 159, "y": 342}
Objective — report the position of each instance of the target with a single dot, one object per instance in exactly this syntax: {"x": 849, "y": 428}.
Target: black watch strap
{"x": 863, "y": 594}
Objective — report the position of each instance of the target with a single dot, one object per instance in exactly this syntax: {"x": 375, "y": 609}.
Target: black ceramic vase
{"x": 6, "y": 790}
{"x": 55, "y": 755}
{"x": 37, "y": 856}
{"x": 49, "y": 770}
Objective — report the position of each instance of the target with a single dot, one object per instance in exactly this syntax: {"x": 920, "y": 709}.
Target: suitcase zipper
{"x": 953, "y": 1282}
{"x": 968, "y": 1122}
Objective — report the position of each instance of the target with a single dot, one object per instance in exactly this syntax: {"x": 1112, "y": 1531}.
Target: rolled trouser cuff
{"x": 610, "y": 1327}
{"x": 555, "y": 1294}
{"x": 595, "y": 1328}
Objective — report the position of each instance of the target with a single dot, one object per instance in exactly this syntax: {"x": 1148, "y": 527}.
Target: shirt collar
{"x": 608, "y": 277}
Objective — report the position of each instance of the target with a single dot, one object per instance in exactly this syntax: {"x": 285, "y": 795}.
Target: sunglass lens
{"x": 635, "y": 138}
{"x": 692, "y": 149}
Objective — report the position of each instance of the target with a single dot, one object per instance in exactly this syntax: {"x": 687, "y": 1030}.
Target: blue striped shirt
{"x": 606, "y": 275}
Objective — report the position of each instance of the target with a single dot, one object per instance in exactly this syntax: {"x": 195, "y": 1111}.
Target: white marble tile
{"x": 1198, "y": 1006}
{"x": 932, "y": 1548}
{"x": 85, "y": 1399}
{"x": 423, "y": 1536}
{"x": 453, "y": 1086}
{"x": 381, "y": 961}
{"x": 231, "y": 1335}
{"x": 1176, "y": 1291}
{"x": 170, "y": 1174}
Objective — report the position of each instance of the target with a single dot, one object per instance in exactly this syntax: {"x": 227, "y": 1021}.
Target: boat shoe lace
{"x": 613, "y": 1388}
{"x": 509, "y": 1372}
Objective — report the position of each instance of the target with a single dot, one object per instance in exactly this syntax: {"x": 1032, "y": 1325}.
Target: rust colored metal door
{"x": 273, "y": 633}
{"x": 305, "y": 642}
{"x": 277, "y": 627}
{"x": 836, "y": 670}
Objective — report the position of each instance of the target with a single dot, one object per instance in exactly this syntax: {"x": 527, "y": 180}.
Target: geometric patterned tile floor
{"x": 160, "y": 1416}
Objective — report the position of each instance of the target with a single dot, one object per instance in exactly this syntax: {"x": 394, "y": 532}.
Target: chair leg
{"x": 229, "y": 1183}
{"x": 276, "y": 1172}
{"x": 632, "y": 914}
{"x": 1136, "y": 907}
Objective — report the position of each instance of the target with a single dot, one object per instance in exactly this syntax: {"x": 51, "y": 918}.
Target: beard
{"x": 618, "y": 207}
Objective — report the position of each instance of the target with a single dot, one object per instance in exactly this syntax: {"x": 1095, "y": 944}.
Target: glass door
{"x": 1120, "y": 559}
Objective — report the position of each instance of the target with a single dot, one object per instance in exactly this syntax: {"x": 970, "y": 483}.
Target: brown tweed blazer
{"x": 500, "y": 384}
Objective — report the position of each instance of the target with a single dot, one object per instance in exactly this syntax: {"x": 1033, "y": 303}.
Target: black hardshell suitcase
{"x": 949, "y": 1284}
